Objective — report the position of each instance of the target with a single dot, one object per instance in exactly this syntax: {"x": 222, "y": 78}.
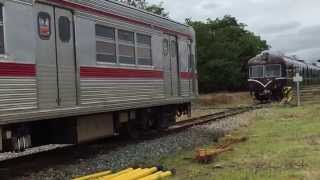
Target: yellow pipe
{"x": 152, "y": 176}
{"x": 159, "y": 175}
{"x": 143, "y": 173}
{"x": 93, "y": 176}
{"x": 127, "y": 175}
{"x": 116, "y": 174}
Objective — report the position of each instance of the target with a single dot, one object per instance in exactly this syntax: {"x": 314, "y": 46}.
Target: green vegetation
{"x": 284, "y": 143}
{"x": 142, "y": 4}
{"x": 224, "y": 47}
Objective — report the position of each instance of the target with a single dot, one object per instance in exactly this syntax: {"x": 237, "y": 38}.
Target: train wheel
{"x": 17, "y": 139}
{"x": 21, "y": 143}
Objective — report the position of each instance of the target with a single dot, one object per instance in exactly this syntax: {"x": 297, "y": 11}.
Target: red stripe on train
{"x": 17, "y": 70}
{"x": 95, "y": 72}
{"x": 186, "y": 75}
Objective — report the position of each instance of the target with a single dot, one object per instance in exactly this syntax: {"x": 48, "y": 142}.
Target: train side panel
{"x": 18, "y": 86}
{"x": 114, "y": 83}
{"x": 71, "y": 66}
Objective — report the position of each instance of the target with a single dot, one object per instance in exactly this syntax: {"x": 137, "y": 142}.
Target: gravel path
{"x": 143, "y": 153}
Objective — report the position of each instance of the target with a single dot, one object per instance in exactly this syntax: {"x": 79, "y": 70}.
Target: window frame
{"x": 250, "y": 71}
{"x": 44, "y": 14}
{"x": 124, "y": 43}
{"x": 62, "y": 21}
{"x": 135, "y": 45}
{"x": 99, "y": 38}
{"x": 144, "y": 46}
{"x": 165, "y": 47}
{"x": 265, "y": 70}
{"x": 173, "y": 50}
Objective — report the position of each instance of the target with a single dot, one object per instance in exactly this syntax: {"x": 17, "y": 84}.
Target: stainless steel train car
{"x": 270, "y": 74}
{"x": 72, "y": 71}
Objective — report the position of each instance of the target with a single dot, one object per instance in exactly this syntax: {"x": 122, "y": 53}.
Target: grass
{"x": 284, "y": 143}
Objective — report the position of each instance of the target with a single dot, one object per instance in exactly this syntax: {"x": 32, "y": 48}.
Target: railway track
{"x": 35, "y": 158}
{"x": 212, "y": 117}
{"x": 177, "y": 127}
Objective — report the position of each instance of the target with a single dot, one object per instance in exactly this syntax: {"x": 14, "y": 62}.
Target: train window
{"x": 64, "y": 29}
{"x": 144, "y": 39}
{"x": 144, "y": 50}
{"x": 126, "y": 47}
{"x": 165, "y": 45}
{"x": 173, "y": 48}
{"x": 44, "y": 25}
{"x": 256, "y": 71}
{"x": 106, "y": 52}
{"x": 105, "y": 44}
{"x": 1, "y": 31}
{"x": 126, "y": 36}
{"x": 105, "y": 32}
{"x": 273, "y": 70}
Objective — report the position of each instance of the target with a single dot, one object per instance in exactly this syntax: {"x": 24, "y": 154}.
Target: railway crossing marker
{"x": 298, "y": 79}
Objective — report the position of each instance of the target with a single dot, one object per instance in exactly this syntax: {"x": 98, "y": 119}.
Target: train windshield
{"x": 256, "y": 71}
{"x": 273, "y": 70}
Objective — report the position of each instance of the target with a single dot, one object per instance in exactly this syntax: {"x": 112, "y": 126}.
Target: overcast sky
{"x": 291, "y": 26}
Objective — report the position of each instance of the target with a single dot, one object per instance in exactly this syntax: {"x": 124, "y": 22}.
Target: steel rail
{"x": 212, "y": 117}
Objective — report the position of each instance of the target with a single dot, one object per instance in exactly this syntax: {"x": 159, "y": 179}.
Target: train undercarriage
{"x": 83, "y": 129}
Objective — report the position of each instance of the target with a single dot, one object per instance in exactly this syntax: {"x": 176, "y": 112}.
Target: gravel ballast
{"x": 143, "y": 153}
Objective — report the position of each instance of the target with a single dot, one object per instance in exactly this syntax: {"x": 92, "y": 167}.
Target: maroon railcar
{"x": 270, "y": 74}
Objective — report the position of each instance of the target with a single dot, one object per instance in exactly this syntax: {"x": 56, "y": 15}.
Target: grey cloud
{"x": 210, "y": 6}
{"x": 305, "y": 42}
{"x": 311, "y": 30}
{"x": 279, "y": 28}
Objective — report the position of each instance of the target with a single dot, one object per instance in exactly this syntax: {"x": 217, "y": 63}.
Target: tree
{"x": 136, "y": 3}
{"x": 157, "y": 9}
{"x": 142, "y": 4}
{"x": 224, "y": 47}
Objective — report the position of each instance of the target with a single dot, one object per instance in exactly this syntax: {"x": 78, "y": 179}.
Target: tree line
{"x": 224, "y": 47}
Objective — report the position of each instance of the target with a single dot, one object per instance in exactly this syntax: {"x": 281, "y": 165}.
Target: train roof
{"x": 271, "y": 58}
{"x": 146, "y": 12}
{"x": 123, "y": 12}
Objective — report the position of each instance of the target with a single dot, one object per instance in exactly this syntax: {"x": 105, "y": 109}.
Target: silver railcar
{"x": 76, "y": 70}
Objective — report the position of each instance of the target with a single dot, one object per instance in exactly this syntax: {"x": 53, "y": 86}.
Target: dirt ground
{"x": 225, "y": 99}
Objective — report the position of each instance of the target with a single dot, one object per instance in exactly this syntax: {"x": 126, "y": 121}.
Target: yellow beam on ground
{"x": 158, "y": 175}
{"x": 93, "y": 176}
{"x": 152, "y": 176}
{"x": 126, "y": 176}
{"x": 110, "y": 176}
{"x": 141, "y": 174}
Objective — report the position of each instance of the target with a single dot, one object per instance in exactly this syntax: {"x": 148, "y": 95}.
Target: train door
{"x": 65, "y": 57}
{"x": 56, "y": 69}
{"x": 175, "y": 66}
{"x": 171, "y": 66}
{"x": 191, "y": 68}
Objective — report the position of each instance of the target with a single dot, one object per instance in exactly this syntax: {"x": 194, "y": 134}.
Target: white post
{"x": 297, "y": 79}
{"x": 298, "y": 93}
